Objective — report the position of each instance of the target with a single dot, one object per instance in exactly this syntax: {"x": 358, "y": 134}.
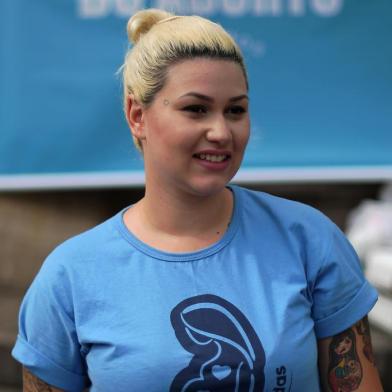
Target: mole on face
{"x": 227, "y": 353}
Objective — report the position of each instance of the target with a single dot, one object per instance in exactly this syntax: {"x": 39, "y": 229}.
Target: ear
{"x": 134, "y": 112}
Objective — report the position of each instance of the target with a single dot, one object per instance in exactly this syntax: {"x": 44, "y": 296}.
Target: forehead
{"x": 206, "y": 75}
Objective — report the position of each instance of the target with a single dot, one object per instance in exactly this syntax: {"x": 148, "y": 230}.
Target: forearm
{"x": 32, "y": 383}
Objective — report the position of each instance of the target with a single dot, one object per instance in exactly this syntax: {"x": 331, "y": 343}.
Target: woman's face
{"x": 344, "y": 346}
{"x": 195, "y": 131}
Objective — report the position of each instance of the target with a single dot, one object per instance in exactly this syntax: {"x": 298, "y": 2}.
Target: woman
{"x": 199, "y": 286}
{"x": 345, "y": 370}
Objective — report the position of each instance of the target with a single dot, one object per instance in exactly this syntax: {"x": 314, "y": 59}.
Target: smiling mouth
{"x": 212, "y": 157}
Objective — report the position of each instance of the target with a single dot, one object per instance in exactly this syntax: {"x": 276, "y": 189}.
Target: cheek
{"x": 243, "y": 137}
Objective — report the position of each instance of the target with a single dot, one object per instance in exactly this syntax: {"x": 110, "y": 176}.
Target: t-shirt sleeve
{"x": 47, "y": 342}
{"x": 341, "y": 294}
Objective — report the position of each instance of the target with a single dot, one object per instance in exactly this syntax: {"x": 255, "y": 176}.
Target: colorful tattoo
{"x": 345, "y": 370}
{"x": 363, "y": 329}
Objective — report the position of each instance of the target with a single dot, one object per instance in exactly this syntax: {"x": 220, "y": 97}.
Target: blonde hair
{"x": 161, "y": 39}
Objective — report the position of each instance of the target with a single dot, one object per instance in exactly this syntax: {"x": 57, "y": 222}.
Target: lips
{"x": 213, "y": 156}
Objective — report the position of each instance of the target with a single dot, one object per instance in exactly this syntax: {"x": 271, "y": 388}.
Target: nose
{"x": 219, "y": 131}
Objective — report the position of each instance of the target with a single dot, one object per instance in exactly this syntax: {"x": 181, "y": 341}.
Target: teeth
{"x": 212, "y": 158}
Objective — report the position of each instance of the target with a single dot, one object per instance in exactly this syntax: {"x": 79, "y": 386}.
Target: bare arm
{"x": 32, "y": 383}
{"x": 346, "y": 361}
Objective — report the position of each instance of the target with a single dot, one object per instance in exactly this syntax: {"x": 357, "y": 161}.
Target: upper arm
{"x": 346, "y": 361}
{"x": 54, "y": 354}
{"x": 32, "y": 383}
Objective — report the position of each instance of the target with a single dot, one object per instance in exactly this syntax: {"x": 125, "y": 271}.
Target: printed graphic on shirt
{"x": 227, "y": 354}
{"x": 283, "y": 380}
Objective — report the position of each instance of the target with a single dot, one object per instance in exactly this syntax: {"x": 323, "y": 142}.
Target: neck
{"x": 180, "y": 223}
{"x": 186, "y": 215}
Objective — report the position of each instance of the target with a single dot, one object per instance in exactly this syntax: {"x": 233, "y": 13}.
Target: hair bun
{"x": 142, "y": 21}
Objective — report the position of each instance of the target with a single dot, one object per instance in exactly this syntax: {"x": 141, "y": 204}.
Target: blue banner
{"x": 320, "y": 88}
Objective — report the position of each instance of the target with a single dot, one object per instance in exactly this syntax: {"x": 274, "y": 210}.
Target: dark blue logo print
{"x": 227, "y": 354}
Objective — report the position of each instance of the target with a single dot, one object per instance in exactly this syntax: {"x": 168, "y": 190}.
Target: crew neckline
{"x": 183, "y": 256}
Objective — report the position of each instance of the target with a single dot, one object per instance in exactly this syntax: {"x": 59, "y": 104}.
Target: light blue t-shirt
{"x": 241, "y": 315}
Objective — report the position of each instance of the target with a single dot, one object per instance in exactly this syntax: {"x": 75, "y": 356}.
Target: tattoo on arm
{"x": 344, "y": 370}
{"x": 363, "y": 329}
{"x": 32, "y": 383}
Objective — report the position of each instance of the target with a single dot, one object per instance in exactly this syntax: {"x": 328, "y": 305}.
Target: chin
{"x": 208, "y": 188}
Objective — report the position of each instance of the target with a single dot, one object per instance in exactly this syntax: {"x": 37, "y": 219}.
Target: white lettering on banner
{"x": 327, "y": 7}
{"x": 234, "y": 7}
{"x": 128, "y": 7}
{"x": 89, "y": 9}
{"x": 171, "y": 6}
{"x": 268, "y": 7}
{"x": 296, "y": 7}
{"x": 250, "y": 45}
{"x": 203, "y": 7}
{"x": 93, "y": 8}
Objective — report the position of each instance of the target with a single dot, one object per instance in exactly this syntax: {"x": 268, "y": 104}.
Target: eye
{"x": 196, "y": 109}
{"x": 236, "y": 110}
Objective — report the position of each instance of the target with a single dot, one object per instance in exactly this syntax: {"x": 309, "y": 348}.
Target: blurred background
{"x": 320, "y": 76}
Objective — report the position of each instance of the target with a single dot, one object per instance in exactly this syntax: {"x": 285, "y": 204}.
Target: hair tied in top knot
{"x": 142, "y": 21}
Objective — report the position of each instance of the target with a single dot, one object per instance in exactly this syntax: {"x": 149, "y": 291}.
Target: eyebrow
{"x": 209, "y": 99}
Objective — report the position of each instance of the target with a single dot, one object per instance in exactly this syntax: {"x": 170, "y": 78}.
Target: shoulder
{"x": 335, "y": 285}
{"x": 93, "y": 244}
{"x": 74, "y": 262}
{"x": 295, "y": 227}
{"x": 290, "y": 214}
